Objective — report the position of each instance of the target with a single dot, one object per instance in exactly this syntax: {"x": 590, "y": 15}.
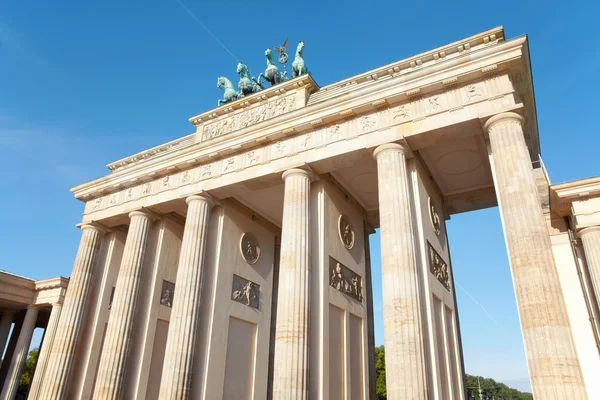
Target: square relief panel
{"x": 245, "y": 291}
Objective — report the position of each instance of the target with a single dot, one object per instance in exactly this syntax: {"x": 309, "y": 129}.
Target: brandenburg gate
{"x": 234, "y": 262}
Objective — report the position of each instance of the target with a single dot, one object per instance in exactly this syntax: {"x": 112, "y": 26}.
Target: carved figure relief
{"x": 344, "y": 280}
{"x": 474, "y": 92}
{"x": 252, "y": 157}
{"x": 402, "y": 112}
{"x": 334, "y": 131}
{"x": 185, "y": 177}
{"x": 434, "y": 217}
{"x": 346, "y": 232}
{"x": 206, "y": 170}
{"x": 166, "y": 293}
{"x": 367, "y": 123}
{"x": 433, "y": 104}
{"x": 129, "y": 194}
{"x": 165, "y": 181}
{"x": 229, "y": 164}
{"x": 249, "y": 117}
{"x": 112, "y": 199}
{"x": 97, "y": 203}
{"x": 249, "y": 248}
{"x": 245, "y": 292}
{"x": 438, "y": 267}
{"x": 146, "y": 188}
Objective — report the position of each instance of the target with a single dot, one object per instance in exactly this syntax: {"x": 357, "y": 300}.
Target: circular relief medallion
{"x": 249, "y": 248}
{"x": 434, "y": 217}
{"x": 346, "y": 232}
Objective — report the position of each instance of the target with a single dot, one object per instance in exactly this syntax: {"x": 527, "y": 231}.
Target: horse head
{"x": 300, "y": 47}
{"x": 242, "y": 69}
{"x": 270, "y": 57}
{"x": 221, "y": 81}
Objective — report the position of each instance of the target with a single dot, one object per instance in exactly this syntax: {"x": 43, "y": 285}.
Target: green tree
{"x": 27, "y": 376}
{"x": 380, "y": 389}
{"x": 489, "y": 387}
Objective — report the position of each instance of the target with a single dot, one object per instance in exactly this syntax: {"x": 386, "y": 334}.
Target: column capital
{"x": 589, "y": 229}
{"x": 502, "y": 117}
{"x": 402, "y": 148}
{"x": 203, "y": 196}
{"x": 95, "y": 226}
{"x": 144, "y": 213}
{"x": 297, "y": 171}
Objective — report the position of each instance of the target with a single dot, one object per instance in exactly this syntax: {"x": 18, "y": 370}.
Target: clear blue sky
{"x": 86, "y": 83}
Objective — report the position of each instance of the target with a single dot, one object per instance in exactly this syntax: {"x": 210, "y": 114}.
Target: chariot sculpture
{"x": 248, "y": 84}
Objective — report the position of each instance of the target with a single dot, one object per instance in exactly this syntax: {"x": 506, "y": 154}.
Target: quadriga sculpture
{"x": 272, "y": 73}
{"x": 246, "y": 84}
{"x": 298, "y": 66}
{"x": 229, "y": 93}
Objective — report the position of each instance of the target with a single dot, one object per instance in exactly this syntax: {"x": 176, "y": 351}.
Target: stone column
{"x": 17, "y": 363}
{"x": 403, "y": 329}
{"x": 290, "y": 376}
{"x": 5, "y": 324}
{"x": 46, "y": 347}
{"x": 553, "y": 364}
{"x": 113, "y": 360}
{"x": 176, "y": 381}
{"x": 591, "y": 245}
{"x": 60, "y": 361}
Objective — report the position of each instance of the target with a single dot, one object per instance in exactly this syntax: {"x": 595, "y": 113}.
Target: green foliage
{"x": 493, "y": 390}
{"x": 490, "y": 388}
{"x": 380, "y": 388}
{"x": 27, "y": 376}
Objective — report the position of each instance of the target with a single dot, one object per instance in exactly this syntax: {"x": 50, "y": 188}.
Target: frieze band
{"x": 419, "y": 107}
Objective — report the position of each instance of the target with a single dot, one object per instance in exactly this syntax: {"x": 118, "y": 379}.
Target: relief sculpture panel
{"x": 438, "y": 267}
{"x": 245, "y": 291}
{"x": 248, "y": 117}
{"x": 345, "y": 280}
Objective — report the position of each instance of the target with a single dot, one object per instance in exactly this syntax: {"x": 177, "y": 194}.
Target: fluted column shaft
{"x": 591, "y": 246}
{"x": 553, "y": 364}
{"x": 42, "y": 363}
{"x": 113, "y": 360}
{"x": 5, "y": 324}
{"x": 291, "y": 375}
{"x": 17, "y": 363}
{"x": 403, "y": 330}
{"x": 60, "y": 361}
{"x": 176, "y": 381}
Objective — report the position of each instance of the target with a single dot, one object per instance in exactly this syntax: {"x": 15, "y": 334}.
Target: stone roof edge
{"x": 448, "y": 49}
{"x": 84, "y": 191}
{"x": 578, "y": 188}
{"x": 163, "y": 148}
{"x": 497, "y": 33}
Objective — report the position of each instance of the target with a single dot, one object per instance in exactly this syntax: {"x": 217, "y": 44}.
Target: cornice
{"x": 52, "y": 283}
{"x": 577, "y": 189}
{"x": 162, "y": 149}
{"x": 399, "y": 88}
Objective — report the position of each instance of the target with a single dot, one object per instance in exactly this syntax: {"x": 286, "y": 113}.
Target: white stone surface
{"x": 17, "y": 363}
{"x": 44, "y": 351}
{"x": 402, "y": 310}
{"x": 292, "y": 346}
{"x": 114, "y": 358}
{"x": 177, "y": 373}
{"x": 554, "y": 367}
{"x": 60, "y": 362}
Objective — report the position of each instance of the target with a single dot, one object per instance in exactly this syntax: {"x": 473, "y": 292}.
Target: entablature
{"x": 459, "y": 89}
